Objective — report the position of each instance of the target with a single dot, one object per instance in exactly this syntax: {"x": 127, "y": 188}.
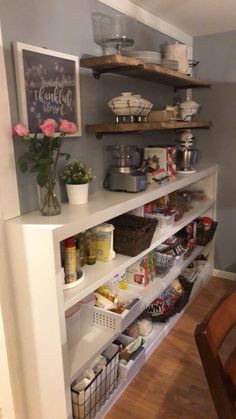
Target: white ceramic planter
{"x": 77, "y": 194}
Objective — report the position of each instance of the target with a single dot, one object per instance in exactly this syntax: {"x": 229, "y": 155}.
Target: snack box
{"x": 138, "y": 272}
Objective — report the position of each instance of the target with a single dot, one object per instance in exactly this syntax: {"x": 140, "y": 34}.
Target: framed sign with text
{"x": 47, "y": 86}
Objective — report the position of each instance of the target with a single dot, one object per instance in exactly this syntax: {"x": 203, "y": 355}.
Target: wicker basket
{"x": 132, "y": 234}
{"x": 205, "y": 236}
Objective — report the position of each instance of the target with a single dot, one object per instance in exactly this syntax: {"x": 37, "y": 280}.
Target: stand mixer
{"x": 186, "y": 156}
{"x": 124, "y": 173}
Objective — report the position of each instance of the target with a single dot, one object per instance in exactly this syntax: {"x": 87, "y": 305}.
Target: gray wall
{"x": 67, "y": 27}
{"x": 218, "y": 64}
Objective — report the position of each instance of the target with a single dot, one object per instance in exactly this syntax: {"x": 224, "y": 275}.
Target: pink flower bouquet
{"x": 42, "y": 154}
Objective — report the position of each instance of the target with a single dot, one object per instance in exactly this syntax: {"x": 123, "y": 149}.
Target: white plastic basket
{"x": 129, "y": 369}
{"x": 78, "y": 320}
{"x": 165, "y": 221}
{"x": 105, "y": 319}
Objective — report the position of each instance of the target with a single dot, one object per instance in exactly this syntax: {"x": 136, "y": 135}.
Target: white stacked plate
{"x": 172, "y": 64}
{"x": 150, "y": 57}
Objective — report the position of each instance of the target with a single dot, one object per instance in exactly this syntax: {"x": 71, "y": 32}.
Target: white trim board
{"x": 11, "y": 392}
{"x": 9, "y": 199}
{"x": 224, "y": 274}
{"x": 143, "y": 16}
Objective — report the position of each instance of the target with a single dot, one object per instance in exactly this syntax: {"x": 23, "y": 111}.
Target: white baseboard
{"x": 224, "y": 274}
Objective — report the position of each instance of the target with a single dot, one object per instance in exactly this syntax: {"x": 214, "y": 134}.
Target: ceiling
{"x": 194, "y": 17}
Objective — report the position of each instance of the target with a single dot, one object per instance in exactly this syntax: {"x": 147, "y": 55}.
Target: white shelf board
{"x": 98, "y": 274}
{"x": 96, "y": 340}
{"x": 105, "y": 205}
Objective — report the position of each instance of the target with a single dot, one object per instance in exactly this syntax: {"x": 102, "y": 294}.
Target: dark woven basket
{"x": 132, "y": 234}
{"x": 204, "y": 237}
{"x": 180, "y": 303}
{"x": 187, "y": 286}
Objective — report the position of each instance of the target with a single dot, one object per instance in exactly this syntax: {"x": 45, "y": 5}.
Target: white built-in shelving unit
{"x": 51, "y": 359}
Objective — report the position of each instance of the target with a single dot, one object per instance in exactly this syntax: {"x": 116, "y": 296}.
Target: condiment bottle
{"x": 80, "y": 242}
{"x": 91, "y": 246}
{"x": 70, "y": 260}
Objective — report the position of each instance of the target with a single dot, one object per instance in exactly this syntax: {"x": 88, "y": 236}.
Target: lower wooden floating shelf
{"x": 119, "y": 128}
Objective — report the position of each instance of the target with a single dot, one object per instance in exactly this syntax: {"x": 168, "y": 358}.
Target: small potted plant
{"x": 77, "y": 176}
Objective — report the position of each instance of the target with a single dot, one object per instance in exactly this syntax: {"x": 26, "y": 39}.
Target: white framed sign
{"x": 47, "y": 86}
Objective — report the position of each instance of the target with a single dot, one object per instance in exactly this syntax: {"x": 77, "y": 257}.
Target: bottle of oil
{"x": 91, "y": 246}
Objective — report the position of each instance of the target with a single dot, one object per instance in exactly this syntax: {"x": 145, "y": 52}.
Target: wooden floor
{"x": 172, "y": 384}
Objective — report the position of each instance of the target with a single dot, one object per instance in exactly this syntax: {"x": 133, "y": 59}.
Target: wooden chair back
{"x": 209, "y": 336}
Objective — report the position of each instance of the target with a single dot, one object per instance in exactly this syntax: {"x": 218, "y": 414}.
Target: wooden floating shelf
{"x": 115, "y": 128}
{"x": 126, "y": 66}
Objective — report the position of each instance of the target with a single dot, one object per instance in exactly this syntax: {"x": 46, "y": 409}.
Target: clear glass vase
{"x": 49, "y": 199}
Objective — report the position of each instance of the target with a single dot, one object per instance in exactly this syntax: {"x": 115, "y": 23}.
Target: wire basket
{"x": 86, "y": 403}
{"x": 163, "y": 263}
{"x": 205, "y": 236}
{"x": 132, "y": 234}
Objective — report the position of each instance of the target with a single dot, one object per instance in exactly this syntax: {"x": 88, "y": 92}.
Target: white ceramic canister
{"x": 105, "y": 250}
{"x": 178, "y": 52}
{"x": 188, "y": 109}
